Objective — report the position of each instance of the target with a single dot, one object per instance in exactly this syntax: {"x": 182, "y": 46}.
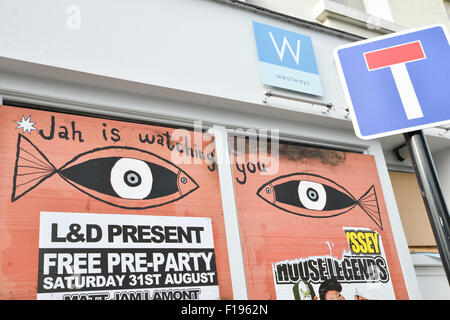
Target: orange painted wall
{"x": 19, "y": 220}
{"x": 270, "y": 235}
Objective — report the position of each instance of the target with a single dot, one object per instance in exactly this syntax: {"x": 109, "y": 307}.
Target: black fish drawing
{"x": 314, "y": 196}
{"x": 124, "y": 177}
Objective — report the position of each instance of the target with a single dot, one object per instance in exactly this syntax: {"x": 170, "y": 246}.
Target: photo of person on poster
{"x": 329, "y": 289}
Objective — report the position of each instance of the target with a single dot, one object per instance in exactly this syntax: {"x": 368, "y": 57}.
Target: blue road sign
{"x": 397, "y": 83}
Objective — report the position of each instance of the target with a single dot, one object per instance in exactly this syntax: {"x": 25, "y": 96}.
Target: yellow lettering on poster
{"x": 363, "y": 242}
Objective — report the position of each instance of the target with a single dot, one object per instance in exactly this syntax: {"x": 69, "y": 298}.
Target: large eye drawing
{"x": 314, "y": 196}
{"x": 124, "y": 177}
{"x": 131, "y": 178}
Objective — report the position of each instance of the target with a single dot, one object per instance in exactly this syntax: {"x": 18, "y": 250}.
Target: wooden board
{"x": 50, "y": 162}
{"x": 276, "y": 226}
{"x": 412, "y": 210}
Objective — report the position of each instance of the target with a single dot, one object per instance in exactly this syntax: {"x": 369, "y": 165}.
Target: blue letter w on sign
{"x": 285, "y": 44}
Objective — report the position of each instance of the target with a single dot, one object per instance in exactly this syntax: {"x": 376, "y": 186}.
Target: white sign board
{"x": 125, "y": 257}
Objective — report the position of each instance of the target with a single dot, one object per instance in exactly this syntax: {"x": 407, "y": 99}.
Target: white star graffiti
{"x": 26, "y": 124}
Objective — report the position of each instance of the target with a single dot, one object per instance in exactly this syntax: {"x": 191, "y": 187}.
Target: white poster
{"x": 360, "y": 273}
{"x": 125, "y": 257}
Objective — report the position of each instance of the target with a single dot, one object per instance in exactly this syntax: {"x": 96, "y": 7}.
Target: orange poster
{"x": 92, "y": 208}
{"x": 315, "y": 227}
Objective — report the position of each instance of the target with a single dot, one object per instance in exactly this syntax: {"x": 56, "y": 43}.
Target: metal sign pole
{"x": 431, "y": 193}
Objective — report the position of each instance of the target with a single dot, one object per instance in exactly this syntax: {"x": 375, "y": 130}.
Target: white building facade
{"x": 180, "y": 62}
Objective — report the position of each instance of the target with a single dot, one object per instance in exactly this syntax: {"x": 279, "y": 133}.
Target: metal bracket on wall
{"x": 347, "y": 113}
{"x": 269, "y": 94}
{"x": 444, "y": 131}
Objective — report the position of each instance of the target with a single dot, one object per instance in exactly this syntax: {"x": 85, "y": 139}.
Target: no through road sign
{"x": 397, "y": 83}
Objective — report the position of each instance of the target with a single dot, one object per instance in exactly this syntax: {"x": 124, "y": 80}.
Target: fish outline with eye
{"x": 275, "y": 192}
{"x": 30, "y": 161}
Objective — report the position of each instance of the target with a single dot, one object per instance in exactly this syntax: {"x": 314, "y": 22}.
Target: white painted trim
{"x": 430, "y": 271}
{"x": 230, "y": 214}
{"x": 401, "y": 243}
{"x": 397, "y": 168}
{"x": 379, "y": 8}
{"x": 329, "y": 9}
{"x": 425, "y": 260}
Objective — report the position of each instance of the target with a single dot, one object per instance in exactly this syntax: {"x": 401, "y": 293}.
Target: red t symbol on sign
{"x": 396, "y": 58}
